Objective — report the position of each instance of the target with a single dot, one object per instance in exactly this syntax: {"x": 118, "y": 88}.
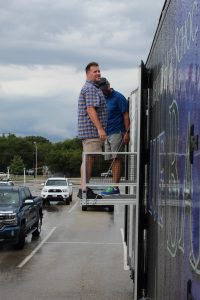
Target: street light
{"x": 35, "y": 159}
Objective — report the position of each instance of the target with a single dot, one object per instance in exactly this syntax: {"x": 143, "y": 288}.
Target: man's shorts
{"x": 92, "y": 145}
{"x": 114, "y": 143}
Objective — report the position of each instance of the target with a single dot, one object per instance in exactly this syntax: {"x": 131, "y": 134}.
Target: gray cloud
{"x": 51, "y": 35}
{"x": 42, "y": 32}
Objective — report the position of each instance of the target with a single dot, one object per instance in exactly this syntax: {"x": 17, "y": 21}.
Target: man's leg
{"x": 90, "y": 145}
{"x": 115, "y": 144}
{"x": 89, "y": 163}
{"x": 116, "y": 170}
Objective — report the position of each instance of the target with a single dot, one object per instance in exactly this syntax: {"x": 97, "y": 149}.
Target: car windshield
{"x": 9, "y": 198}
{"x": 55, "y": 182}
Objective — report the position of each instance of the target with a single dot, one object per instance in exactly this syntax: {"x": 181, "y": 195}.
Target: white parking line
{"x": 73, "y": 207}
{"x": 36, "y": 249}
{"x": 126, "y": 267}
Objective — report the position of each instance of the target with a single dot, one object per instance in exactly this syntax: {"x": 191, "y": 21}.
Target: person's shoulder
{"x": 119, "y": 95}
{"x": 89, "y": 86}
{"x": 85, "y": 88}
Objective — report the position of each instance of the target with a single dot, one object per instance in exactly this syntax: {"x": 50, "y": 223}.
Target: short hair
{"x": 103, "y": 83}
{"x": 91, "y": 64}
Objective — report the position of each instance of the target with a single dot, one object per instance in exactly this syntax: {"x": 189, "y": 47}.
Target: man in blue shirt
{"x": 117, "y": 130}
{"x": 92, "y": 120}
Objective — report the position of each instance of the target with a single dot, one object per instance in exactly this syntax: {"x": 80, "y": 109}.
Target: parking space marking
{"x": 126, "y": 266}
{"x": 36, "y": 249}
{"x": 73, "y": 207}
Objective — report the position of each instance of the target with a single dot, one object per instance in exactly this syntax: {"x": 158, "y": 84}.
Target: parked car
{"x": 30, "y": 172}
{"x": 3, "y": 175}
{"x": 57, "y": 189}
{"x": 20, "y": 215}
{"x": 6, "y": 183}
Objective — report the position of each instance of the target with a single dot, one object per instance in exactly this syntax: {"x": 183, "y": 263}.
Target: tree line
{"x": 19, "y": 153}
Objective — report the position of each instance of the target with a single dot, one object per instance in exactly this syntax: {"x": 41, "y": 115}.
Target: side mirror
{"x": 70, "y": 184}
{"x": 42, "y": 183}
{"x": 28, "y": 201}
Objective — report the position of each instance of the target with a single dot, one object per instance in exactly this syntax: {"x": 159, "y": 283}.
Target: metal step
{"x": 103, "y": 184}
{"x": 111, "y": 200}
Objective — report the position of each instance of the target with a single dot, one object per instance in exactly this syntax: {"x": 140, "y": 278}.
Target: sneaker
{"x": 90, "y": 194}
{"x": 111, "y": 191}
{"x": 79, "y": 195}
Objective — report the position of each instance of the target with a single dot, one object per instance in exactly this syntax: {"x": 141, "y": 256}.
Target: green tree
{"x": 17, "y": 165}
{"x": 63, "y": 157}
{"x": 66, "y": 157}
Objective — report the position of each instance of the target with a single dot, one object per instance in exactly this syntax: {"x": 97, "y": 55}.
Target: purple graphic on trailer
{"x": 175, "y": 149}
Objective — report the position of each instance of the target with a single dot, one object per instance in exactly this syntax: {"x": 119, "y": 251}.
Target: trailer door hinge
{"x": 189, "y": 290}
{"x": 194, "y": 143}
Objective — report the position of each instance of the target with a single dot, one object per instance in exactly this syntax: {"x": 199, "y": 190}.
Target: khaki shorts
{"x": 114, "y": 143}
{"x": 92, "y": 145}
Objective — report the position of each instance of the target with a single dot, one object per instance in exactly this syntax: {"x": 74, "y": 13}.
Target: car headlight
{"x": 44, "y": 191}
{"x": 65, "y": 190}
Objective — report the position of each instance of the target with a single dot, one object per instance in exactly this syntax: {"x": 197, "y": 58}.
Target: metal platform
{"x": 98, "y": 183}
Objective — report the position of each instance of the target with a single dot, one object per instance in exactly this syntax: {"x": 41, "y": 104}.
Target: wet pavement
{"x": 79, "y": 255}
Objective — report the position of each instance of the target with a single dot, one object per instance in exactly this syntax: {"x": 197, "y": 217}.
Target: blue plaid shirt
{"x": 90, "y": 96}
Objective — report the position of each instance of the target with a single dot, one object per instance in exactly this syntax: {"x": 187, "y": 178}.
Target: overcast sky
{"x": 45, "y": 46}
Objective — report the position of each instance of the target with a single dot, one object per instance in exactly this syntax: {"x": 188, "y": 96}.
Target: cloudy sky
{"x": 45, "y": 46}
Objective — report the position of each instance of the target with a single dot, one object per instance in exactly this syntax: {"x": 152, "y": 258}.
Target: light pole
{"x": 24, "y": 176}
{"x": 8, "y": 173}
{"x": 35, "y": 159}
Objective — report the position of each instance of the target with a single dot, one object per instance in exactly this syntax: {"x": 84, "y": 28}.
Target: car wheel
{"x": 38, "y": 228}
{"x": 22, "y": 235}
{"x": 84, "y": 207}
{"x": 67, "y": 201}
{"x": 70, "y": 197}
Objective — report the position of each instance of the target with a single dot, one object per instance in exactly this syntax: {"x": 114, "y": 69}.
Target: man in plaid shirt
{"x": 92, "y": 120}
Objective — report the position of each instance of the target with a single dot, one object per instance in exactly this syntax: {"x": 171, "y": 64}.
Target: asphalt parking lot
{"x": 79, "y": 255}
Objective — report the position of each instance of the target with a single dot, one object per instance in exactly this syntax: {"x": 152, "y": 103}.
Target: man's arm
{"x": 127, "y": 127}
{"x": 95, "y": 120}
